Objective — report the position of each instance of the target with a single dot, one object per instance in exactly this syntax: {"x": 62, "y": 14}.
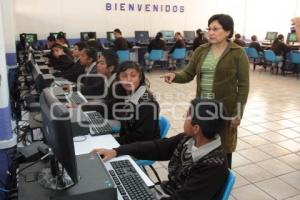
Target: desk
{"x": 108, "y": 142}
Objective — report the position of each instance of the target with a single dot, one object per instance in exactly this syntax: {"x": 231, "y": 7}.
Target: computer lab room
{"x": 150, "y": 100}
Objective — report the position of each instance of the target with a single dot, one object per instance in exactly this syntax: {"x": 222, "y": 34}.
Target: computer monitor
{"x": 271, "y": 36}
{"x": 30, "y": 38}
{"x": 58, "y": 134}
{"x": 84, "y": 36}
{"x": 168, "y": 35}
{"x": 291, "y": 38}
{"x": 141, "y": 36}
{"x": 110, "y": 36}
{"x": 54, "y": 34}
{"x": 189, "y": 35}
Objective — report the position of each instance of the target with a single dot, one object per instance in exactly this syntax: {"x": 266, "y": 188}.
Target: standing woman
{"x": 222, "y": 71}
{"x": 135, "y": 106}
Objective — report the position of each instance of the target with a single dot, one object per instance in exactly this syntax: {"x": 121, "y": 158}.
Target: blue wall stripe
{"x": 5, "y": 124}
{"x": 11, "y": 59}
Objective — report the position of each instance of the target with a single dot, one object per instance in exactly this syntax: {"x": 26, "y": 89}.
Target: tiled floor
{"x": 267, "y": 159}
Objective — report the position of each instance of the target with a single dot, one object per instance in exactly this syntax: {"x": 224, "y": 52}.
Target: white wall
{"x": 74, "y": 16}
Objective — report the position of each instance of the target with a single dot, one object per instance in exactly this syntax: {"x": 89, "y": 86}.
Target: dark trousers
{"x": 229, "y": 159}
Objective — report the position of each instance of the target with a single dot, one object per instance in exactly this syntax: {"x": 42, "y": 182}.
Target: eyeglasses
{"x": 214, "y": 29}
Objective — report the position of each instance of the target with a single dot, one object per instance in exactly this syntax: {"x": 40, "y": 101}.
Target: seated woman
{"x": 281, "y": 50}
{"x": 198, "y": 166}
{"x": 60, "y": 60}
{"x": 179, "y": 43}
{"x": 156, "y": 43}
{"x": 134, "y": 105}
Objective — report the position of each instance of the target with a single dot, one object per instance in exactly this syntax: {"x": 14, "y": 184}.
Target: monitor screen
{"x": 189, "y": 35}
{"x": 58, "y": 132}
{"x": 271, "y": 35}
{"x": 31, "y": 38}
{"x": 54, "y": 34}
{"x": 168, "y": 35}
{"x": 84, "y": 36}
{"x": 110, "y": 36}
{"x": 141, "y": 35}
{"x": 292, "y": 37}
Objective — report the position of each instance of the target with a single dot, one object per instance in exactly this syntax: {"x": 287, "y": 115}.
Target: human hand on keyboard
{"x": 106, "y": 154}
{"x": 67, "y": 87}
{"x": 71, "y": 105}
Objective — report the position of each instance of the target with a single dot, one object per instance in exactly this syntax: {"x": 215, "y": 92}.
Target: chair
{"x": 124, "y": 55}
{"x": 155, "y": 55}
{"x": 228, "y": 186}
{"x": 178, "y": 54}
{"x": 164, "y": 126}
{"x": 271, "y": 58}
{"x": 246, "y": 49}
{"x": 295, "y": 60}
{"x": 254, "y": 56}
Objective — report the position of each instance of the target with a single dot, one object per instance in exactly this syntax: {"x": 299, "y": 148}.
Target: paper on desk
{"x": 92, "y": 142}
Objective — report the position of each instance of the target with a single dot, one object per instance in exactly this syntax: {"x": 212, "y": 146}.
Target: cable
{"x": 42, "y": 158}
{"x": 77, "y": 139}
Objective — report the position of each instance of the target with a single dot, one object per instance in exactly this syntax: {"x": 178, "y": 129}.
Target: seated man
{"x": 198, "y": 167}
{"x": 60, "y": 61}
{"x": 120, "y": 43}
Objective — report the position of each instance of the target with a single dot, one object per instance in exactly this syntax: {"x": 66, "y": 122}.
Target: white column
{"x": 8, "y": 20}
{"x": 7, "y": 139}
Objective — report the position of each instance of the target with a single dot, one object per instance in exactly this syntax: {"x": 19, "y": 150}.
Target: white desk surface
{"x": 108, "y": 142}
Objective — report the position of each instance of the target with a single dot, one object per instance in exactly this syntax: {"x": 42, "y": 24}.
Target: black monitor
{"x": 141, "y": 36}
{"x": 110, "y": 36}
{"x": 168, "y": 35}
{"x": 85, "y": 36}
{"x": 271, "y": 36}
{"x": 291, "y": 38}
{"x": 189, "y": 35}
{"x": 54, "y": 34}
{"x": 58, "y": 134}
{"x": 30, "y": 38}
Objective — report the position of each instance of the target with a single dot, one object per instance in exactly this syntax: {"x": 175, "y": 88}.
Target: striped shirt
{"x": 207, "y": 75}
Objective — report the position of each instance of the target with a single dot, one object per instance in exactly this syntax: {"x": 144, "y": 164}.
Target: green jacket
{"x": 230, "y": 85}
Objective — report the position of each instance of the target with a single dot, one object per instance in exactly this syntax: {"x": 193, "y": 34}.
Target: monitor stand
{"x": 55, "y": 177}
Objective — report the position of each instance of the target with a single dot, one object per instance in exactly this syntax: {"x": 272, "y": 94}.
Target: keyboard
{"x": 76, "y": 97}
{"x": 61, "y": 81}
{"x": 98, "y": 125}
{"x": 128, "y": 181}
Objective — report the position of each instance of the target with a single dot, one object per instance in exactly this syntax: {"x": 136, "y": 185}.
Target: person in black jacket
{"x": 281, "y": 50}
{"x": 120, "y": 43}
{"x": 77, "y": 69}
{"x": 106, "y": 68}
{"x": 238, "y": 40}
{"x": 199, "y": 40}
{"x": 134, "y": 105}
{"x": 62, "y": 40}
{"x": 60, "y": 60}
{"x": 86, "y": 81}
{"x": 255, "y": 44}
{"x": 179, "y": 43}
{"x": 94, "y": 42}
{"x": 198, "y": 167}
{"x": 156, "y": 43}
